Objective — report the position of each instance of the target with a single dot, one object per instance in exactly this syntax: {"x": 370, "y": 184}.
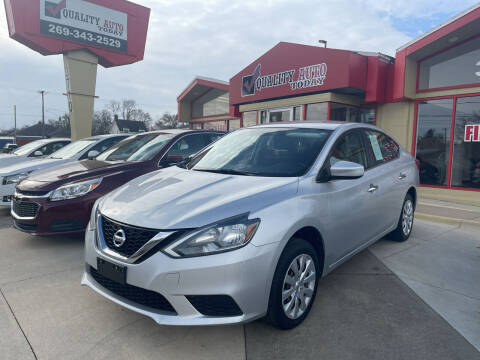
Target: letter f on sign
{"x": 472, "y": 133}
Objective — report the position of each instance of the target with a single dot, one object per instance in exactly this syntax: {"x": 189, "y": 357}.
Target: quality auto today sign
{"x": 301, "y": 78}
{"x": 84, "y": 22}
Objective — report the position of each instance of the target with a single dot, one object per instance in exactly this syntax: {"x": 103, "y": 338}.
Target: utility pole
{"x": 15, "y": 122}
{"x": 43, "y": 113}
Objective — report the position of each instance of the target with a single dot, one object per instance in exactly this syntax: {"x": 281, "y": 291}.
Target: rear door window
{"x": 382, "y": 147}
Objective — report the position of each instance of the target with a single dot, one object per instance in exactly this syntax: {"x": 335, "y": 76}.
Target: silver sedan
{"x": 249, "y": 225}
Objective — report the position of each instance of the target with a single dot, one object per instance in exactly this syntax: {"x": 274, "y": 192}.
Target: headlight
{"x": 92, "y": 225}
{"x": 16, "y": 178}
{"x": 226, "y": 236}
{"x": 76, "y": 190}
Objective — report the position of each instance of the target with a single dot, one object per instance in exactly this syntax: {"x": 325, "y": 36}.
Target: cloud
{"x": 216, "y": 38}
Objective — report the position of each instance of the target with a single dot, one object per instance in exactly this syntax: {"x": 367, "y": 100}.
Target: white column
{"x": 80, "y": 76}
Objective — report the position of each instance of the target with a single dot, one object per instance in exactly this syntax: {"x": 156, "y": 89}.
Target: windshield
{"x": 124, "y": 149}
{"x": 72, "y": 149}
{"x": 149, "y": 151}
{"x": 273, "y": 152}
{"x": 28, "y": 148}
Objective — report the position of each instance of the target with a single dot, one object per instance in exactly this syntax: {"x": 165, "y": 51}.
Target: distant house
{"x": 128, "y": 126}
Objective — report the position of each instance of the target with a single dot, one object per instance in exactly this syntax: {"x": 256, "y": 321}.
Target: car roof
{"x": 46, "y": 141}
{"x": 105, "y": 136}
{"x": 326, "y": 125}
{"x": 179, "y": 131}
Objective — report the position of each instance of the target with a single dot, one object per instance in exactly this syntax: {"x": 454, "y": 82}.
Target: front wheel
{"x": 294, "y": 285}
{"x": 405, "y": 223}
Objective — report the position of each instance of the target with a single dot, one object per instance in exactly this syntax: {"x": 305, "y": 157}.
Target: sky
{"x": 212, "y": 38}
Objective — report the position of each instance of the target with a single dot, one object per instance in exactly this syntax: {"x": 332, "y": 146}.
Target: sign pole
{"x": 15, "y": 124}
{"x": 80, "y": 77}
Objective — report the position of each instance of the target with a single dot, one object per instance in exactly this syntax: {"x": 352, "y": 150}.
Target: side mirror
{"x": 93, "y": 154}
{"x": 346, "y": 170}
{"x": 38, "y": 153}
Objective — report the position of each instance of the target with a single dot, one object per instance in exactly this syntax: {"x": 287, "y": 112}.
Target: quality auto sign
{"x": 303, "y": 78}
{"x": 84, "y": 22}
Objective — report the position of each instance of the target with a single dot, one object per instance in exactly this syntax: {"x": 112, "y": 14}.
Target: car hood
{"x": 176, "y": 198}
{"x": 33, "y": 165}
{"x": 73, "y": 171}
{"x": 9, "y": 159}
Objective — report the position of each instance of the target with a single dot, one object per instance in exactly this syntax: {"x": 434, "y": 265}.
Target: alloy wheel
{"x": 298, "y": 286}
{"x": 407, "y": 217}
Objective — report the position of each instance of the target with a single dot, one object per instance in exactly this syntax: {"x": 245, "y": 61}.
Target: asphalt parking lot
{"x": 417, "y": 300}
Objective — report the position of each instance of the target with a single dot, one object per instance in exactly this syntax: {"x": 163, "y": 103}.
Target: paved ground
{"x": 447, "y": 212}
{"x": 363, "y": 310}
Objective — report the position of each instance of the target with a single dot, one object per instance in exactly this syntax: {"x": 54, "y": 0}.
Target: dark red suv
{"x": 59, "y": 201}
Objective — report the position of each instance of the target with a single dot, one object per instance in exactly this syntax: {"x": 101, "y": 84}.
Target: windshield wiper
{"x": 227, "y": 171}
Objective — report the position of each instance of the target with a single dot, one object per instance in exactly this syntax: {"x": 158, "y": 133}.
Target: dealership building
{"x": 427, "y": 97}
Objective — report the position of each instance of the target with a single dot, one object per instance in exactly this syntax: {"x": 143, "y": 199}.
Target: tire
{"x": 298, "y": 254}
{"x": 405, "y": 223}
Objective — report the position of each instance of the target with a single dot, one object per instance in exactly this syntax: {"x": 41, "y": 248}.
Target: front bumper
{"x": 244, "y": 275}
{"x": 56, "y": 218}
{"x": 6, "y": 193}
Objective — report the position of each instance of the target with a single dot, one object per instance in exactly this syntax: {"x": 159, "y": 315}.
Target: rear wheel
{"x": 294, "y": 285}
{"x": 405, "y": 223}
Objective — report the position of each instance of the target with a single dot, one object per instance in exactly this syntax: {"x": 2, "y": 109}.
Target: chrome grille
{"x": 136, "y": 237}
{"x": 25, "y": 209}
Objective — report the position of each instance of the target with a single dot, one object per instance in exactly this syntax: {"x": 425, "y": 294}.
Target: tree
{"x": 167, "y": 121}
{"x": 142, "y": 116}
{"x": 102, "y": 122}
{"x": 114, "y": 107}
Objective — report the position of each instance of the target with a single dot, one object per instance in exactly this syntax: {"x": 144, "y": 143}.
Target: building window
{"x": 466, "y": 144}
{"x": 341, "y": 112}
{"x": 453, "y": 67}
{"x": 196, "y": 126}
{"x": 215, "y": 125}
{"x": 318, "y": 111}
{"x": 213, "y": 102}
{"x": 249, "y": 118}
{"x": 297, "y": 113}
{"x": 263, "y": 117}
{"x": 280, "y": 115}
{"x": 433, "y": 140}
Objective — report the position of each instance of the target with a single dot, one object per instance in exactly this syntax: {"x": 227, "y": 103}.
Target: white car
{"x": 78, "y": 150}
{"x": 32, "y": 151}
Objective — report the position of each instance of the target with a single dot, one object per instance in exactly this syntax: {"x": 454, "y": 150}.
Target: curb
{"x": 447, "y": 220}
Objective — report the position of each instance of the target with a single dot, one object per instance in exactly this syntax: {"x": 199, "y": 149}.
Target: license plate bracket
{"x": 112, "y": 271}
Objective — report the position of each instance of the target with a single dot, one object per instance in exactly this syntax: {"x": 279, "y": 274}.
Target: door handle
{"x": 373, "y": 188}
{"x": 402, "y": 176}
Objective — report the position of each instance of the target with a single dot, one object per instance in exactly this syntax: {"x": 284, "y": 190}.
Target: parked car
{"x": 32, "y": 151}
{"x": 4, "y": 140}
{"x": 251, "y": 224}
{"x": 78, "y": 150}
{"x": 9, "y": 148}
{"x": 59, "y": 200}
